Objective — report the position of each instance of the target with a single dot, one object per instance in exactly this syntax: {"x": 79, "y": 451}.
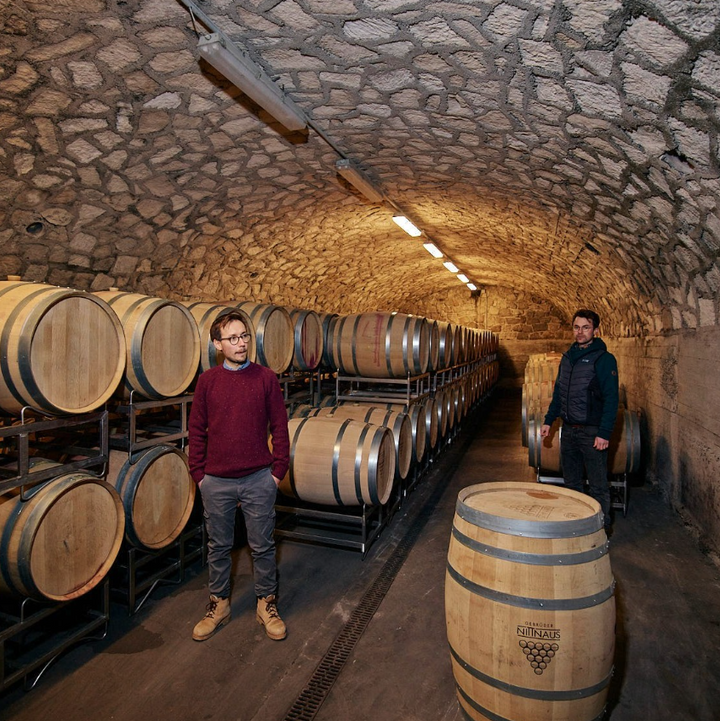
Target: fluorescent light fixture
{"x": 237, "y": 66}
{"x": 359, "y": 180}
{"x": 433, "y": 250}
{"x": 451, "y": 267}
{"x": 407, "y": 226}
{"x": 472, "y": 286}
{"x": 463, "y": 278}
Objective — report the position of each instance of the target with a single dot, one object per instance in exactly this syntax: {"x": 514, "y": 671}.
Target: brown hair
{"x": 590, "y": 315}
{"x": 224, "y": 320}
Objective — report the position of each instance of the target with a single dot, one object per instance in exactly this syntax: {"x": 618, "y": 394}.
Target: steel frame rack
{"x": 356, "y": 528}
{"x": 144, "y": 570}
{"x": 132, "y": 413}
{"x": 23, "y": 475}
{"x": 30, "y": 637}
{"x": 386, "y": 394}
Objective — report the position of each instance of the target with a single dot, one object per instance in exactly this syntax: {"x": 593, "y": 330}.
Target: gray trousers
{"x": 256, "y": 495}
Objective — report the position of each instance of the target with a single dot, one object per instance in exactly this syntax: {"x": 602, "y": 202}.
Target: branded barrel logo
{"x": 539, "y": 646}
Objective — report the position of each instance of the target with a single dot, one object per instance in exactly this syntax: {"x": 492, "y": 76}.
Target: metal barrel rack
{"x": 137, "y": 426}
{"x": 353, "y": 528}
{"x": 138, "y": 572}
{"x": 359, "y": 527}
{"x": 33, "y": 634}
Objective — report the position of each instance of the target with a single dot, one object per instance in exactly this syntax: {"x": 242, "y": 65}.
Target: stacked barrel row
{"x": 540, "y": 373}
{"x": 379, "y": 347}
{"x": 545, "y": 453}
{"x": 68, "y": 352}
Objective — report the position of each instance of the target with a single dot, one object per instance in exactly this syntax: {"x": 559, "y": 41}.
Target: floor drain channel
{"x": 311, "y": 698}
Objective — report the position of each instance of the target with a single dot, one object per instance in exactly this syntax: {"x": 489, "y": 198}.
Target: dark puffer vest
{"x": 581, "y": 400}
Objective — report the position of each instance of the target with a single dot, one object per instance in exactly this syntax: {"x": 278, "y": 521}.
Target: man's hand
{"x": 277, "y": 480}
{"x": 600, "y": 443}
{"x": 545, "y": 431}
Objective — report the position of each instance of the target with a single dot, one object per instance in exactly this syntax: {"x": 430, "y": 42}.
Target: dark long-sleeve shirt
{"x": 231, "y": 414}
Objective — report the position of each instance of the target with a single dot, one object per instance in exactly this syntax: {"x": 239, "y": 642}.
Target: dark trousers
{"x": 580, "y": 461}
{"x": 256, "y": 495}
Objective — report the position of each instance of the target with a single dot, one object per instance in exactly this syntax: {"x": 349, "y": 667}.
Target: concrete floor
{"x": 668, "y": 634}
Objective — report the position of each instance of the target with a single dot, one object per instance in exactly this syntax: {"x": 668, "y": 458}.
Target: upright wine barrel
{"x": 339, "y": 462}
{"x": 529, "y": 604}
{"x": 162, "y": 344}
{"x": 381, "y": 345}
{"x": 157, "y": 493}
{"x": 274, "y": 335}
{"x": 61, "y": 350}
{"x": 536, "y": 397}
{"x": 205, "y": 314}
{"x": 62, "y": 541}
{"x": 398, "y": 423}
{"x": 308, "y": 340}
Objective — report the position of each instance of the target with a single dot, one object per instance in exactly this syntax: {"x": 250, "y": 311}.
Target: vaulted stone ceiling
{"x": 565, "y": 148}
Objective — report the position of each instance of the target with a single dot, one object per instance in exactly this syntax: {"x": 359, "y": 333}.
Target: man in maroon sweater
{"x": 234, "y": 406}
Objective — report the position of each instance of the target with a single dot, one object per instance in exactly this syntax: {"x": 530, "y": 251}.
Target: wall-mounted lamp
{"x": 407, "y": 226}
{"x": 433, "y": 250}
{"x": 359, "y": 180}
{"x": 239, "y": 69}
{"x": 472, "y": 286}
{"x": 463, "y": 278}
{"x": 451, "y": 266}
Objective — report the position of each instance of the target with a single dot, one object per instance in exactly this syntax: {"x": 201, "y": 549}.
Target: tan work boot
{"x": 268, "y": 616}
{"x": 218, "y": 614}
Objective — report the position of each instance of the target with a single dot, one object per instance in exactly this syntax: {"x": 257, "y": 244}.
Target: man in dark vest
{"x": 585, "y": 396}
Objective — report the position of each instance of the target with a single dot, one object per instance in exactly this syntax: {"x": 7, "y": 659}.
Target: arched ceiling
{"x": 562, "y": 147}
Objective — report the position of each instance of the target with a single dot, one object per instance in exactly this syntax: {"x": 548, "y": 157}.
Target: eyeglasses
{"x": 235, "y": 339}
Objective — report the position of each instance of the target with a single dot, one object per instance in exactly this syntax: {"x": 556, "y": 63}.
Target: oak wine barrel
{"x": 60, "y": 542}
{"x": 274, "y": 335}
{"x": 162, "y": 344}
{"x": 624, "y": 451}
{"x": 339, "y": 462}
{"x": 157, "y": 493}
{"x": 529, "y": 604}
{"x": 398, "y": 423}
{"x": 308, "y": 339}
{"x": 380, "y": 345}
{"x": 61, "y": 350}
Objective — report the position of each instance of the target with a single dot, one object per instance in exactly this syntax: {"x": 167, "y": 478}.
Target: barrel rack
{"x": 138, "y": 572}
{"x": 357, "y": 528}
{"x": 34, "y": 633}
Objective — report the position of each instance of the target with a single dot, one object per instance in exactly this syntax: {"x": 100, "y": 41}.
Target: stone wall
{"x": 672, "y": 381}
{"x": 524, "y": 323}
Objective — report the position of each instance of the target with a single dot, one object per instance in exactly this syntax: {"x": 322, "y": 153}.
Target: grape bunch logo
{"x": 539, "y": 645}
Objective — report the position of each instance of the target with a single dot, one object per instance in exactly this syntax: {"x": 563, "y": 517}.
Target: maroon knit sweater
{"x": 229, "y": 420}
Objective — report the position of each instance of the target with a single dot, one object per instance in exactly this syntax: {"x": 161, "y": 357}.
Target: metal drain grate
{"x": 311, "y": 698}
